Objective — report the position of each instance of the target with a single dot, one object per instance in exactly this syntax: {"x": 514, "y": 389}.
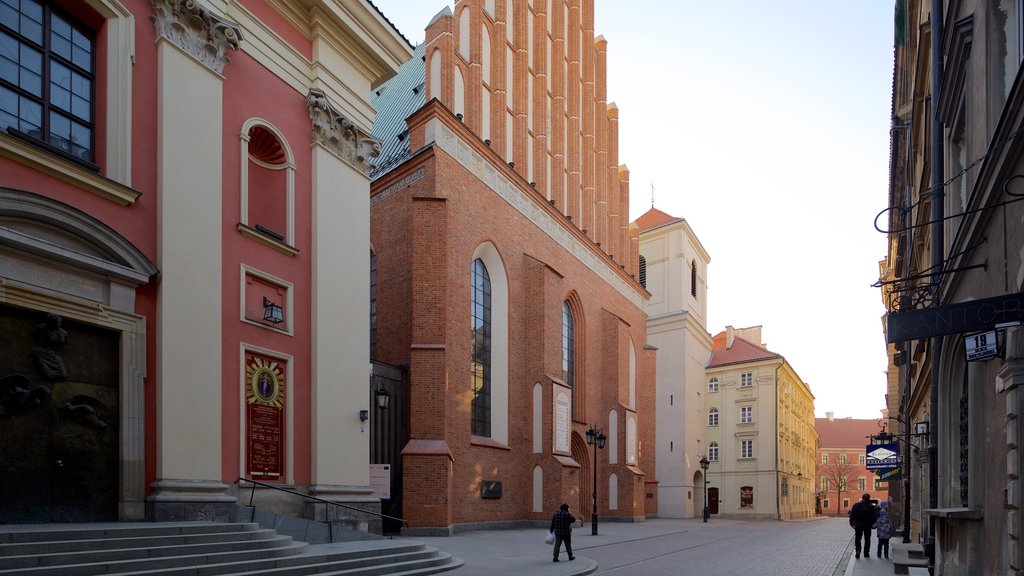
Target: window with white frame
{"x": 842, "y": 458}
{"x": 861, "y": 484}
{"x": 824, "y": 458}
{"x": 713, "y": 385}
{"x": 746, "y": 448}
{"x": 713, "y": 451}
{"x": 713, "y": 417}
{"x": 824, "y": 484}
{"x": 860, "y": 459}
{"x": 746, "y": 414}
{"x": 746, "y": 380}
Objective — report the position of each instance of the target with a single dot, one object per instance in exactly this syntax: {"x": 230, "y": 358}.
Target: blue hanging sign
{"x": 882, "y": 456}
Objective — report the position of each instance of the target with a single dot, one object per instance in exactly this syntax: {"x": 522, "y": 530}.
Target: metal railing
{"x": 326, "y": 503}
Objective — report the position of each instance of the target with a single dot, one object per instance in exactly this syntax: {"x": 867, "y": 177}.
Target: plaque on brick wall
{"x": 490, "y": 489}
{"x": 264, "y": 416}
{"x": 560, "y": 435}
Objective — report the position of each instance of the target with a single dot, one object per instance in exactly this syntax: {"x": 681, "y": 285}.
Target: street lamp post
{"x": 704, "y": 463}
{"x": 596, "y": 438}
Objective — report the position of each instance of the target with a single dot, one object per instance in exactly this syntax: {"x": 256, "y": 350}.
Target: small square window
{"x": 746, "y": 380}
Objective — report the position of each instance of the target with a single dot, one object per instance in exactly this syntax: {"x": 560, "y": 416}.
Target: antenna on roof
{"x": 652, "y": 193}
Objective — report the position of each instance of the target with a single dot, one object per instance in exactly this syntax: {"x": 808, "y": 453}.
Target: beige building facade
{"x": 673, "y": 268}
{"x": 760, "y": 434}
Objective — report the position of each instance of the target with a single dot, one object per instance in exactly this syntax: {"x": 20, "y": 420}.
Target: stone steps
{"x": 202, "y": 548}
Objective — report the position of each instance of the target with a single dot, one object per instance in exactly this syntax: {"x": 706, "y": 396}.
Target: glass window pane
{"x": 81, "y": 138}
{"x": 8, "y": 101}
{"x": 32, "y": 30}
{"x": 8, "y": 15}
{"x": 31, "y": 114}
{"x": 33, "y": 10}
{"x": 60, "y": 27}
{"x": 30, "y": 58}
{"x": 82, "y": 58}
{"x": 81, "y": 85}
{"x": 8, "y": 71}
{"x": 60, "y": 130}
{"x": 80, "y": 107}
{"x": 31, "y": 82}
{"x": 60, "y": 46}
{"x": 8, "y": 47}
{"x": 60, "y": 75}
{"x": 60, "y": 98}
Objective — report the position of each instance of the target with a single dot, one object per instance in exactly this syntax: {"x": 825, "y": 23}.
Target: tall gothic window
{"x": 47, "y": 70}
{"x": 569, "y": 351}
{"x": 373, "y": 305}
{"x": 481, "y": 369}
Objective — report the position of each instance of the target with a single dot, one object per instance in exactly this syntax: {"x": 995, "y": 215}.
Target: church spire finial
{"x": 652, "y": 193}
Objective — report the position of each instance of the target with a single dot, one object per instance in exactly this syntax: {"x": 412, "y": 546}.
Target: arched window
{"x": 713, "y": 451}
{"x": 267, "y": 184}
{"x": 713, "y": 385}
{"x": 481, "y": 368}
{"x": 693, "y": 278}
{"x": 569, "y": 351}
{"x": 643, "y": 272}
{"x": 713, "y": 417}
{"x": 373, "y": 305}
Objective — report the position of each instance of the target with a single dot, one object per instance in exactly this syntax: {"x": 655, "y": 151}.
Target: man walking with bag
{"x": 862, "y": 520}
{"x": 561, "y": 527}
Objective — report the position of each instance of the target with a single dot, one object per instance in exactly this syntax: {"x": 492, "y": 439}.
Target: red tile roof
{"x": 845, "y": 432}
{"x": 654, "y": 218}
{"x": 742, "y": 351}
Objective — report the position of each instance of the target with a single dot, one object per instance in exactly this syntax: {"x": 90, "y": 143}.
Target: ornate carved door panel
{"x": 58, "y": 419}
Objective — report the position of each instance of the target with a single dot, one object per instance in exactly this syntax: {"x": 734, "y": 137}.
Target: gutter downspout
{"x": 778, "y": 473}
{"x": 938, "y": 243}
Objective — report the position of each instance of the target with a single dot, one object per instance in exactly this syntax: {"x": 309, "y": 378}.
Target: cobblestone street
{"x": 813, "y": 548}
{"x": 662, "y": 547}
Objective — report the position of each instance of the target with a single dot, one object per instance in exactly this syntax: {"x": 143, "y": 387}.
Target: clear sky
{"x": 766, "y": 126}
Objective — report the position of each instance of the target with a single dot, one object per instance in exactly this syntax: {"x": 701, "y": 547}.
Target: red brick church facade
{"x": 506, "y": 273}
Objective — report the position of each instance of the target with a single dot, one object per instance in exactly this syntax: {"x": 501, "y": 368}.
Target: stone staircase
{"x": 202, "y": 548}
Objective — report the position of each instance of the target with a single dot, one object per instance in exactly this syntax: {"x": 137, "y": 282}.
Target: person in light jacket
{"x": 883, "y": 531}
{"x": 561, "y": 527}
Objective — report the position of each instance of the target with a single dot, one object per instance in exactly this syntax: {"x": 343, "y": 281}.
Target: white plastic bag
{"x": 550, "y": 538}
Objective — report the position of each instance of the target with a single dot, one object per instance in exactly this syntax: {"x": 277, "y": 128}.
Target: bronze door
{"x": 58, "y": 419}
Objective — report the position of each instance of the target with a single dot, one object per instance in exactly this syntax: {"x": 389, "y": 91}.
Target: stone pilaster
{"x": 1009, "y": 383}
{"x": 192, "y": 46}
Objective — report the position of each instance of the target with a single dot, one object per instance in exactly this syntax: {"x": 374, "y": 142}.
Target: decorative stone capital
{"x": 196, "y": 30}
{"x": 338, "y": 134}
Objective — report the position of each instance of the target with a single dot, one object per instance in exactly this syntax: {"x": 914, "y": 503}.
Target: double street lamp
{"x": 596, "y": 438}
{"x": 704, "y": 463}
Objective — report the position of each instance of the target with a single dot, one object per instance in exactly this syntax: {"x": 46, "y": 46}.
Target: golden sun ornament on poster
{"x": 265, "y": 382}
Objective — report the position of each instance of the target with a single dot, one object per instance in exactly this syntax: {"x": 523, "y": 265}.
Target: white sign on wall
{"x": 561, "y": 421}
{"x": 631, "y": 439}
{"x": 981, "y": 346}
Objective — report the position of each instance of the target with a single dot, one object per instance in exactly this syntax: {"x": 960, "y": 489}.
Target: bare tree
{"x": 838, "y": 475}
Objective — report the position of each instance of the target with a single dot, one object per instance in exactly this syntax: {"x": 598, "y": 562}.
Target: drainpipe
{"x": 778, "y": 498}
{"x": 938, "y": 244}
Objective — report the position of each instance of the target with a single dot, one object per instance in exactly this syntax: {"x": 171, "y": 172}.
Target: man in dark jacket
{"x": 561, "y": 526}
{"x": 862, "y": 518}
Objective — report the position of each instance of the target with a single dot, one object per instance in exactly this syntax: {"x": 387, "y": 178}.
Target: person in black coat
{"x": 561, "y": 527}
{"x": 862, "y": 519}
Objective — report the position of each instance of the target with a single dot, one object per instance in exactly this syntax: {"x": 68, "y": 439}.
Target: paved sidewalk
{"x": 870, "y": 566}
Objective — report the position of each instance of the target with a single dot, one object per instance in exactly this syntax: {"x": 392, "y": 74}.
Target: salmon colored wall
{"x": 251, "y": 91}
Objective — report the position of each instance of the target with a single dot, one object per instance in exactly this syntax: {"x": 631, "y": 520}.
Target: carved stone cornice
{"x": 338, "y": 134}
{"x": 199, "y": 32}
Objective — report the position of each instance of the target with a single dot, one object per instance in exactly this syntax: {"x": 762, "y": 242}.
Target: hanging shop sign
{"x": 962, "y": 318}
{"x": 889, "y": 475}
{"x": 882, "y": 456}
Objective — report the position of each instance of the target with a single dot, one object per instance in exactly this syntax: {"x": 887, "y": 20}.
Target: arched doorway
{"x": 698, "y": 495}
{"x": 71, "y": 388}
{"x": 585, "y": 491}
